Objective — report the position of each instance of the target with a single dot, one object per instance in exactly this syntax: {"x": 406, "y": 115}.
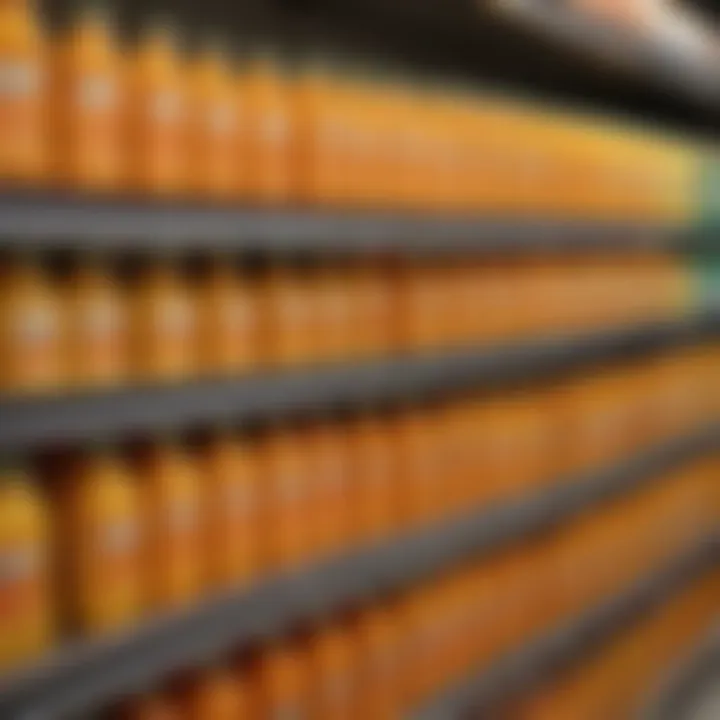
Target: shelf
{"x": 29, "y": 421}
{"x": 52, "y": 222}
{"x": 479, "y": 694}
{"x": 651, "y": 61}
{"x": 86, "y": 676}
{"x": 689, "y": 679}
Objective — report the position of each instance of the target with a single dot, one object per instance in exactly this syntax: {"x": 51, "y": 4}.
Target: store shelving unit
{"x": 678, "y": 692}
{"x": 86, "y": 676}
{"x": 26, "y": 422}
{"x": 81, "y": 678}
{"x": 478, "y": 694}
{"x": 56, "y": 222}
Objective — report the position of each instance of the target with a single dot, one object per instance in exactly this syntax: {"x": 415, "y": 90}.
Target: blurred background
{"x": 359, "y": 360}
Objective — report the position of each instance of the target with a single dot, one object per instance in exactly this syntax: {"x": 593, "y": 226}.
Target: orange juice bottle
{"x": 213, "y": 144}
{"x": 332, "y": 487}
{"x": 174, "y": 557}
{"x": 378, "y": 657}
{"x": 156, "y": 119}
{"x": 230, "y": 468}
{"x": 266, "y": 94}
{"x": 151, "y": 707}
{"x": 282, "y": 679}
{"x": 373, "y": 333}
{"x": 214, "y": 695}
{"x": 289, "y": 306}
{"x": 311, "y": 109}
{"x": 227, "y": 322}
{"x": 162, "y": 324}
{"x": 96, "y": 340}
{"x": 87, "y": 102}
{"x": 30, "y": 328}
{"x": 286, "y": 493}
{"x": 101, "y": 534}
{"x": 333, "y": 686}
{"x": 373, "y": 508}
{"x": 336, "y": 332}
{"x": 23, "y": 142}
{"x": 26, "y": 616}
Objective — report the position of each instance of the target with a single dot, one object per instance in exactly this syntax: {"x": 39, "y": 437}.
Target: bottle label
{"x": 166, "y": 107}
{"x": 97, "y": 92}
{"x": 18, "y": 80}
{"x": 19, "y": 571}
{"x": 175, "y": 318}
{"x": 182, "y": 517}
{"x": 35, "y": 327}
{"x": 120, "y": 538}
{"x": 101, "y": 320}
{"x": 221, "y": 120}
{"x": 274, "y": 128}
{"x": 238, "y": 500}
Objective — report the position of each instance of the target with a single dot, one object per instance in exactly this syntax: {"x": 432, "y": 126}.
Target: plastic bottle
{"x": 96, "y": 326}
{"x": 289, "y": 304}
{"x": 214, "y": 695}
{"x": 378, "y": 663}
{"x": 286, "y": 490}
{"x": 374, "y": 503}
{"x": 30, "y": 328}
{"x": 23, "y": 139}
{"x": 332, "y": 478}
{"x": 231, "y": 486}
{"x": 227, "y": 320}
{"x": 156, "y": 120}
{"x": 87, "y": 102}
{"x": 162, "y": 324}
{"x": 175, "y": 552}
{"x": 335, "y": 335}
{"x": 333, "y": 685}
{"x": 213, "y": 126}
{"x": 266, "y": 91}
{"x": 26, "y": 605}
{"x": 282, "y": 681}
{"x": 101, "y": 532}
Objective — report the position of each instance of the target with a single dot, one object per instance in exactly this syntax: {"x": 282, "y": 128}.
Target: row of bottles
{"x": 99, "y": 323}
{"x": 81, "y": 110}
{"x": 386, "y": 659}
{"x": 93, "y": 539}
{"x": 618, "y": 680}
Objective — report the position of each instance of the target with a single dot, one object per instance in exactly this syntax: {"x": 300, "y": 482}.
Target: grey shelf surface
{"x": 480, "y": 695}
{"x": 67, "y": 222}
{"x": 676, "y": 693}
{"x": 85, "y": 676}
{"x": 46, "y": 420}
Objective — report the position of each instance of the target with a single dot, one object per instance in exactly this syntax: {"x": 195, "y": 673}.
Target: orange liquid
{"x": 23, "y": 141}
{"x": 174, "y": 559}
{"x": 214, "y": 128}
{"x": 163, "y": 325}
{"x": 156, "y": 121}
{"x": 30, "y": 330}
{"x": 231, "y": 475}
{"x": 87, "y": 104}
{"x": 96, "y": 342}
{"x": 228, "y": 322}
{"x": 101, "y": 529}
{"x": 26, "y": 609}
